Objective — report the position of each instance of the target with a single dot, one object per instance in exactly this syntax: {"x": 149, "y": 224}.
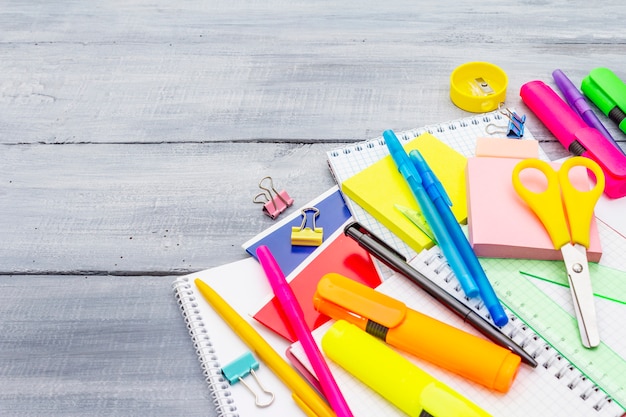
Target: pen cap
{"x": 392, "y": 376}
{"x": 607, "y": 92}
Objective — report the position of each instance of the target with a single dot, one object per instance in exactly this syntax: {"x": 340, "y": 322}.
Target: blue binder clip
{"x": 307, "y": 236}
{"x": 515, "y": 127}
{"x": 273, "y": 204}
{"x": 241, "y": 367}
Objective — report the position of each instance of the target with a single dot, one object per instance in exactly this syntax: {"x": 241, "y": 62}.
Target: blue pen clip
{"x": 241, "y": 367}
{"x": 428, "y": 178}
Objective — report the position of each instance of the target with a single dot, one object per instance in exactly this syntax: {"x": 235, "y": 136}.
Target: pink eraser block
{"x": 507, "y": 148}
{"x": 501, "y": 225}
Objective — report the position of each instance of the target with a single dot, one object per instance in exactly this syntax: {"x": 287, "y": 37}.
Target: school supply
{"x": 333, "y": 214}
{"x": 380, "y": 187}
{"x": 295, "y": 316}
{"x": 274, "y": 202}
{"x": 395, "y": 378}
{"x": 577, "y": 102}
{"x": 245, "y": 365}
{"x": 478, "y": 87}
{"x": 307, "y": 236}
{"x": 413, "y": 332}
{"x": 218, "y": 344}
{"x": 337, "y": 254}
{"x": 394, "y": 260}
{"x": 569, "y": 381}
{"x": 416, "y": 182}
{"x": 459, "y": 135}
{"x": 574, "y": 134}
{"x": 499, "y": 222}
{"x": 607, "y": 92}
{"x": 566, "y": 213}
{"x": 435, "y": 192}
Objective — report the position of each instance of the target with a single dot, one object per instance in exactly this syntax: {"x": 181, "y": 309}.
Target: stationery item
{"x": 383, "y": 252}
{"x": 390, "y": 320}
{"x": 427, "y": 204}
{"x": 569, "y": 381}
{"x": 566, "y": 213}
{"x": 295, "y": 316}
{"x": 307, "y": 236}
{"x": 240, "y": 368}
{"x": 216, "y": 343}
{"x": 607, "y": 92}
{"x": 333, "y": 214}
{"x": 274, "y": 202}
{"x": 575, "y": 135}
{"x": 395, "y": 378}
{"x": 577, "y": 102}
{"x": 478, "y": 86}
{"x": 515, "y": 126}
{"x": 434, "y": 189}
{"x": 499, "y": 222}
{"x": 380, "y": 187}
{"x": 338, "y": 254}
{"x": 348, "y": 161}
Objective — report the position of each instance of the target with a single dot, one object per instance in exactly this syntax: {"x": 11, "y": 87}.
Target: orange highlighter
{"x": 386, "y": 318}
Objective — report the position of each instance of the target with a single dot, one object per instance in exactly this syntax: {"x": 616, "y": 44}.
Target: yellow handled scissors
{"x": 566, "y": 213}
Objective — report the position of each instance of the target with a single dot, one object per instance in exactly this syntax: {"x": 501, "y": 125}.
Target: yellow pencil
{"x": 303, "y": 394}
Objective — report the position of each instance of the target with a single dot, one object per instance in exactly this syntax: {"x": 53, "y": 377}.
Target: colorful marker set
{"x": 576, "y": 126}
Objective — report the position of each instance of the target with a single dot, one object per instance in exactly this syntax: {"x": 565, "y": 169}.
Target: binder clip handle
{"x": 241, "y": 367}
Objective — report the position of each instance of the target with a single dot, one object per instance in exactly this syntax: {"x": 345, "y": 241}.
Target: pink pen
{"x": 293, "y": 311}
{"x": 574, "y": 134}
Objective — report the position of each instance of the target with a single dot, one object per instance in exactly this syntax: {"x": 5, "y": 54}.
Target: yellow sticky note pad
{"x": 380, "y": 187}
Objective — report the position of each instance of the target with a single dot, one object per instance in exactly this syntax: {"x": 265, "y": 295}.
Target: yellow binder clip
{"x": 307, "y": 236}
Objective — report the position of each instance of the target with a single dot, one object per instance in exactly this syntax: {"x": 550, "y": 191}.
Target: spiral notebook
{"x": 555, "y": 388}
{"x": 217, "y": 345}
{"x": 461, "y": 135}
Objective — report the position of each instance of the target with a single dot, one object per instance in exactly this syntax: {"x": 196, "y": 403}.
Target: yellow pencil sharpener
{"x": 478, "y": 87}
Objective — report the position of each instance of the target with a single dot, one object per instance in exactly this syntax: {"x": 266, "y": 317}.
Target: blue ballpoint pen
{"x": 578, "y": 103}
{"x": 439, "y": 198}
{"x": 436, "y": 223}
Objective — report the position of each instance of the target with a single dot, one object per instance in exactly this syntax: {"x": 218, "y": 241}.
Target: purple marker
{"x": 577, "y": 102}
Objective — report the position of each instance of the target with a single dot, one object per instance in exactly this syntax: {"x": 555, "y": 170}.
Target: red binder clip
{"x": 274, "y": 202}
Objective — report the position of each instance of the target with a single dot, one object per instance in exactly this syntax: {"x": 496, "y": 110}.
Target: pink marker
{"x": 295, "y": 316}
{"x": 575, "y": 135}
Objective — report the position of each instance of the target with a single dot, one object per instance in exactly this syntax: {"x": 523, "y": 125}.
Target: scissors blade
{"x": 575, "y": 257}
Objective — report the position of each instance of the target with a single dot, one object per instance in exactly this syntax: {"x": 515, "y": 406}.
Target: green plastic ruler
{"x": 602, "y": 365}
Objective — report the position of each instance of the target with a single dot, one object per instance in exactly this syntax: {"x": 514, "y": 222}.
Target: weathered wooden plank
{"x": 104, "y": 346}
{"x": 128, "y": 72}
{"x": 142, "y": 209}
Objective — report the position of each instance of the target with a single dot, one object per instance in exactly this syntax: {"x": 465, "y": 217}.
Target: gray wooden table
{"x": 133, "y": 135}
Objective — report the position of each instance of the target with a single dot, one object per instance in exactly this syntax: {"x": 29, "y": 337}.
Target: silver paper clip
{"x": 273, "y": 204}
{"x": 241, "y": 367}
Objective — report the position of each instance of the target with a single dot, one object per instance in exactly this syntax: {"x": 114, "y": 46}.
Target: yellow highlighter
{"x": 394, "y": 377}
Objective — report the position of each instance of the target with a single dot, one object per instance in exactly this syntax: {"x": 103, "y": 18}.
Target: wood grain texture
{"x": 133, "y": 135}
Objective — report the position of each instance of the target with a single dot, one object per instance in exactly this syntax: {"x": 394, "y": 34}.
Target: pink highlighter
{"x": 575, "y": 135}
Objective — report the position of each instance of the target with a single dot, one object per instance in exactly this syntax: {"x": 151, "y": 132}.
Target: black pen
{"x": 394, "y": 260}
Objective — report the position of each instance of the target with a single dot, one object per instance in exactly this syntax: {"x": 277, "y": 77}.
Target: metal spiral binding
{"x": 433, "y": 261}
{"x": 211, "y": 368}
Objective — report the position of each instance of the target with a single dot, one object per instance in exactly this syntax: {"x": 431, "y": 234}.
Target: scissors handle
{"x": 580, "y": 204}
{"x": 561, "y": 202}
